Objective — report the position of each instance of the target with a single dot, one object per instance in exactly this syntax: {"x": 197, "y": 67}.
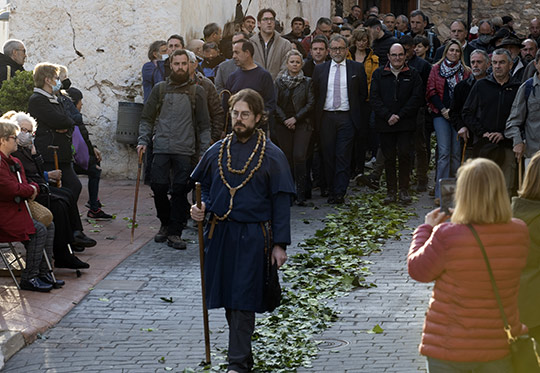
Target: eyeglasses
{"x": 393, "y": 55}
{"x": 25, "y": 130}
{"x": 242, "y": 114}
{"x": 12, "y": 137}
{"x": 267, "y": 19}
{"x": 338, "y": 49}
{"x": 21, "y": 50}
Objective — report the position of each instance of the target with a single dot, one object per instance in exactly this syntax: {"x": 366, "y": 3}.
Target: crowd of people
{"x": 362, "y": 92}
{"x": 263, "y": 117}
{"x": 42, "y": 153}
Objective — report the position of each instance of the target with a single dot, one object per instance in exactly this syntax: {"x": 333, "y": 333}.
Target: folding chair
{"x": 5, "y": 248}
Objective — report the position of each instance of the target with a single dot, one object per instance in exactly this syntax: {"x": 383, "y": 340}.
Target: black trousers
{"x": 336, "y": 139}
{"x": 400, "y": 143}
{"x": 171, "y": 212}
{"x": 295, "y": 145}
{"x": 421, "y": 147}
{"x": 241, "y": 328}
{"x": 65, "y": 216}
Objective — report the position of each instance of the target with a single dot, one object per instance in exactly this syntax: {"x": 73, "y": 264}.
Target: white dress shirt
{"x": 329, "y": 103}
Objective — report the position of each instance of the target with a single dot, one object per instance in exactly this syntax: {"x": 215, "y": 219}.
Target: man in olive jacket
{"x": 176, "y": 114}
{"x": 395, "y": 96}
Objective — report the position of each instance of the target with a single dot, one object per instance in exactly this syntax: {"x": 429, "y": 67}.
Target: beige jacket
{"x": 275, "y": 61}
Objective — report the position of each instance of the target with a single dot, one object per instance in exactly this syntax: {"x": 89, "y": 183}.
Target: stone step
{"x": 10, "y": 343}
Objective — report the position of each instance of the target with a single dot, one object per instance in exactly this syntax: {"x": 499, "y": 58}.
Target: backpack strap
{"x": 529, "y": 88}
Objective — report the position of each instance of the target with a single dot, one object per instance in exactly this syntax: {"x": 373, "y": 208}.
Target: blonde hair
{"x": 42, "y": 71}
{"x": 294, "y": 52}
{"x": 481, "y": 196}
{"x": 531, "y": 184}
{"x": 62, "y": 72}
{"x": 358, "y": 34}
{"x": 461, "y": 57}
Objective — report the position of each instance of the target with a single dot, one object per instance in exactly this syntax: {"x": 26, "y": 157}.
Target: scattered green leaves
{"x": 330, "y": 265}
{"x": 147, "y": 329}
{"x": 162, "y": 360}
{"x": 103, "y": 299}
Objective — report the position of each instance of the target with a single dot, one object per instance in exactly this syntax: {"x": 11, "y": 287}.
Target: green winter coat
{"x": 529, "y": 293}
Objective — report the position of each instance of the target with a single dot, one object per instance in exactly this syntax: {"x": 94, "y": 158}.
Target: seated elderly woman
{"x": 16, "y": 224}
{"x": 59, "y": 200}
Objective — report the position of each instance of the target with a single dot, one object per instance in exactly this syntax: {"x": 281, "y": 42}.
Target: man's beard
{"x": 242, "y": 132}
{"x": 527, "y": 59}
{"x": 179, "y": 77}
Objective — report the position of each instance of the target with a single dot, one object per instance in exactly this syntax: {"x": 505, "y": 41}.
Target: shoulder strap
{"x": 528, "y": 88}
{"x": 161, "y": 87}
{"x": 493, "y": 284}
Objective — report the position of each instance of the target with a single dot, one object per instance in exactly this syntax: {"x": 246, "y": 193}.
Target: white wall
{"x": 112, "y": 38}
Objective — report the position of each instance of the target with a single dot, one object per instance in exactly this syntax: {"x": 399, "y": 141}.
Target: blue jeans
{"x": 448, "y": 148}
{"x": 495, "y": 366}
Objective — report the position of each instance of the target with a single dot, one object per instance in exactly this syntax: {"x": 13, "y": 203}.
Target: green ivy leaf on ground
{"x": 376, "y": 330}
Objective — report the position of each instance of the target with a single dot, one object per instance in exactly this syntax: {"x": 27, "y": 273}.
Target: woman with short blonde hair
{"x": 481, "y": 196}
{"x": 463, "y": 329}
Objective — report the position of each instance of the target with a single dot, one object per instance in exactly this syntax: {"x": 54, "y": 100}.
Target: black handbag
{"x": 523, "y": 349}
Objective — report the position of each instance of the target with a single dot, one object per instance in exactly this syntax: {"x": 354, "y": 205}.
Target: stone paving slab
{"x": 118, "y": 328}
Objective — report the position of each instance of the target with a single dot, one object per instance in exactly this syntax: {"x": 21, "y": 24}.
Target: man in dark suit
{"x": 340, "y": 92}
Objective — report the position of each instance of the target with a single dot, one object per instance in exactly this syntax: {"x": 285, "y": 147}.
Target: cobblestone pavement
{"x": 124, "y": 326}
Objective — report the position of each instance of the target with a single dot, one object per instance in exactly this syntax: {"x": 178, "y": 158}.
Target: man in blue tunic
{"x": 247, "y": 189}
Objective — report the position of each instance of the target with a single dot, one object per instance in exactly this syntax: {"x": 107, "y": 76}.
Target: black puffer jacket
{"x": 303, "y": 101}
{"x": 402, "y": 96}
{"x": 54, "y": 127}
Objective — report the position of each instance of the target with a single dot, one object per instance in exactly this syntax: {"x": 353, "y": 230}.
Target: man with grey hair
{"x": 402, "y": 23}
{"x": 486, "y": 111}
{"x": 12, "y": 60}
{"x": 485, "y": 33}
{"x": 215, "y": 110}
{"x": 525, "y": 117}
{"x": 479, "y": 65}
{"x": 340, "y": 87}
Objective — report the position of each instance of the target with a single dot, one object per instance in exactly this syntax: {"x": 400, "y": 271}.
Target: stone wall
{"x": 104, "y": 45}
{"x": 441, "y": 12}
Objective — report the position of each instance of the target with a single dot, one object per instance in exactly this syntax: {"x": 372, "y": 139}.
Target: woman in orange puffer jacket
{"x": 463, "y": 329}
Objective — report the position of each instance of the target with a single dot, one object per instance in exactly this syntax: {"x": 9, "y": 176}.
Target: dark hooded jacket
{"x": 5, "y": 61}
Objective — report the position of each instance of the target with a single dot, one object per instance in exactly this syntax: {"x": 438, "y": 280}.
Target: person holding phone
{"x": 463, "y": 330}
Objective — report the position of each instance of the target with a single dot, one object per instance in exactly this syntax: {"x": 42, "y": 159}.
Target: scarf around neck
{"x": 291, "y": 82}
{"x": 453, "y": 73}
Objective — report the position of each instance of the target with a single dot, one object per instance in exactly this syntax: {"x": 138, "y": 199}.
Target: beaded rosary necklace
{"x": 227, "y": 144}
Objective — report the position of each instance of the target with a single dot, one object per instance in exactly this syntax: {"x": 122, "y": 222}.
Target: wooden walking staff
{"x": 520, "y": 172}
{"x": 463, "y": 151}
{"x": 201, "y": 257}
{"x": 134, "y": 219}
{"x": 55, "y": 152}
